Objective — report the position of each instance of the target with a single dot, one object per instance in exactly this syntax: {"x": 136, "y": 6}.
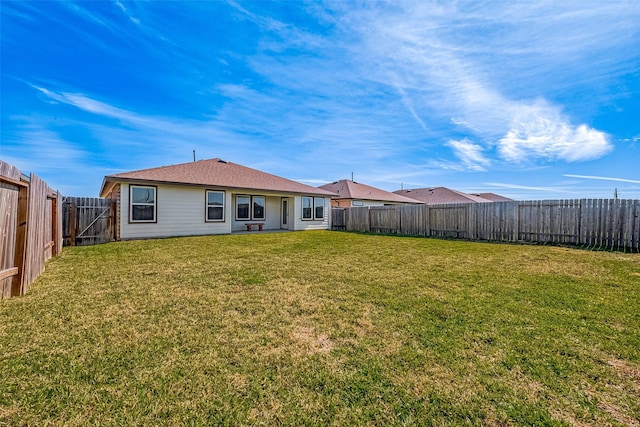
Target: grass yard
{"x": 324, "y": 328}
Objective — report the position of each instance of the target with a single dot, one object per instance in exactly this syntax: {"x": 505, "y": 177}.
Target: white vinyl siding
{"x": 179, "y": 212}
{"x": 361, "y": 202}
{"x": 306, "y": 224}
{"x": 271, "y": 219}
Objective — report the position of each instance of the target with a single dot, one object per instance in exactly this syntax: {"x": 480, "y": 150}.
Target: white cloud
{"x": 87, "y": 104}
{"x": 527, "y": 187}
{"x": 603, "y": 178}
{"x": 539, "y": 131}
{"x": 454, "y": 61}
{"x": 470, "y": 154}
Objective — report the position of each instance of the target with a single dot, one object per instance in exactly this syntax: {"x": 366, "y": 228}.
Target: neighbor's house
{"x": 351, "y": 193}
{"x": 492, "y": 197}
{"x": 212, "y": 197}
{"x": 443, "y": 195}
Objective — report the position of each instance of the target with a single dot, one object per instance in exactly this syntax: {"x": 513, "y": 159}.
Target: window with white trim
{"x": 313, "y": 208}
{"x": 142, "y": 203}
{"x": 318, "y": 207}
{"x": 250, "y": 208}
{"x": 242, "y": 207}
{"x": 215, "y": 206}
{"x": 307, "y": 208}
{"x": 258, "y": 203}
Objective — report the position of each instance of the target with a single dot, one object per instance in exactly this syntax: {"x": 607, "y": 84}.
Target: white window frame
{"x": 253, "y": 208}
{"x": 239, "y": 218}
{"x": 252, "y": 213}
{"x": 154, "y": 204}
{"x": 315, "y": 208}
{"x": 310, "y": 217}
{"x": 207, "y": 205}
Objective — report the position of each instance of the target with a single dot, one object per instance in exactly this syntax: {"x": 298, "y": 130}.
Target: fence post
{"x": 55, "y": 233}
{"x": 72, "y": 224}
{"x": 21, "y": 240}
{"x": 113, "y": 220}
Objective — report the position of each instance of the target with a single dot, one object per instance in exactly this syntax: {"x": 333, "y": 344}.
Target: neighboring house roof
{"x": 216, "y": 173}
{"x": 440, "y": 195}
{"x": 493, "y": 197}
{"x": 347, "y": 189}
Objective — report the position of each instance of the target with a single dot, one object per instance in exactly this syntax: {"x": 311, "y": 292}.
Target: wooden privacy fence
{"x": 30, "y": 226}
{"x": 88, "y": 220}
{"x": 595, "y": 223}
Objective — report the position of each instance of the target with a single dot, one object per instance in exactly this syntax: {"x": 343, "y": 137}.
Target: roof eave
{"x": 107, "y": 186}
{"x": 114, "y": 179}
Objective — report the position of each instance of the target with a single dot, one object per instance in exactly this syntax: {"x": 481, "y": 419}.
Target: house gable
{"x": 351, "y": 193}
{"x": 443, "y": 195}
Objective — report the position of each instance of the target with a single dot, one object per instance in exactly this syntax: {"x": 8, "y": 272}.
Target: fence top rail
{"x": 507, "y": 202}
{"x": 12, "y": 181}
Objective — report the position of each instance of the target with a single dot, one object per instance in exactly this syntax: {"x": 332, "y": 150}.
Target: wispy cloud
{"x": 407, "y": 102}
{"x": 126, "y": 12}
{"x": 548, "y": 189}
{"x": 418, "y": 49}
{"x": 408, "y": 92}
{"x": 470, "y": 154}
{"x": 90, "y": 105}
{"x": 603, "y": 178}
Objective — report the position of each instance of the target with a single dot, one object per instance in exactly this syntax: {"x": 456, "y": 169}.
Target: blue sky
{"x": 530, "y": 99}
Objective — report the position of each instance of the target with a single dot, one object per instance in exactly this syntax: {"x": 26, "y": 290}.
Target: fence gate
{"x": 88, "y": 221}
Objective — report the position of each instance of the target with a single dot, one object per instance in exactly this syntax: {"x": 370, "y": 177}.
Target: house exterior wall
{"x": 371, "y": 203}
{"x": 180, "y": 212}
{"x": 272, "y": 213}
{"x": 345, "y": 203}
{"x": 300, "y": 224}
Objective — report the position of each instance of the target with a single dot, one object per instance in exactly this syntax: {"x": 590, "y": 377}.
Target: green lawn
{"x": 324, "y": 328}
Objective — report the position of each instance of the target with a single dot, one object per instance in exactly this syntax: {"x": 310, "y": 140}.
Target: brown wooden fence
{"x": 88, "y": 220}
{"x": 30, "y": 226}
{"x": 594, "y": 223}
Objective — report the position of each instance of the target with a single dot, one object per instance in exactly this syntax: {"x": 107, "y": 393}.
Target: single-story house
{"x": 351, "y": 193}
{"x": 443, "y": 195}
{"x": 493, "y": 197}
{"x": 212, "y": 197}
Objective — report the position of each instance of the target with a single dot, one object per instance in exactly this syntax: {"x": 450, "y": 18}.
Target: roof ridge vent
{"x": 222, "y": 161}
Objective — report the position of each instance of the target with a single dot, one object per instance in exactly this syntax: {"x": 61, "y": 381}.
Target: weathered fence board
{"x": 88, "y": 221}
{"x": 9, "y": 193}
{"x": 39, "y": 236}
{"x": 412, "y": 220}
{"x": 357, "y": 219}
{"x": 30, "y": 229}
{"x": 337, "y": 218}
{"x": 593, "y": 223}
{"x": 384, "y": 219}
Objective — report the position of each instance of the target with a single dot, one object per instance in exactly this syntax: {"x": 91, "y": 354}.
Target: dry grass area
{"x": 324, "y": 328}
